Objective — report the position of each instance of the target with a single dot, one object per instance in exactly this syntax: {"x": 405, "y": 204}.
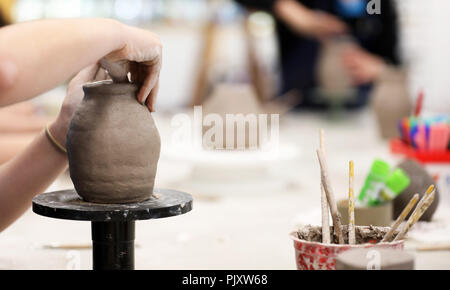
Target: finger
{"x": 101, "y": 75}
{"x": 117, "y": 70}
{"x": 150, "y": 103}
{"x": 88, "y": 73}
{"x": 149, "y": 83}
{"x": 137, "y": 74}
{"x": 85, "y": 75}
{"x": 133, "y": 72}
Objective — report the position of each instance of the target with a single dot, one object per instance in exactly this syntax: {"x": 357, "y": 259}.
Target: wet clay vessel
{"x": 390, "y": 101}
{"x": 112, "y": 145}
{"x": 420, "y": 181}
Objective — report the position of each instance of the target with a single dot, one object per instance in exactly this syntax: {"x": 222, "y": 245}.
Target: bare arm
{"x": 33, "y": 170}
{"x": 39, "y": 55}
{"x": 299, "y": 18}
{"x": 26, "y": 175}
{"x": 306, "y": 21}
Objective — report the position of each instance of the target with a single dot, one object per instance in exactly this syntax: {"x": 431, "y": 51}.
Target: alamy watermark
{"x": 73, "y": 260}
{"x": 374, "y": 260}
{"x": 373, "y": 7}
{"x": 225, "y": 131}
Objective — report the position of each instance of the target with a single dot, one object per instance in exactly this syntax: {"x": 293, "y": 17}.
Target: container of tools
{"x": 316, "y": 247}
{"x": 312, "y": 254}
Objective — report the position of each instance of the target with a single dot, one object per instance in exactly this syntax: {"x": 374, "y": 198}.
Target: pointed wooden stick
{"x": 330, "y": 197}
{"x": 351, "y": 206}
{"x": 434, "y": 247}
{"x": 325, "y": 211}
{"x": 418, "y": 208}
{"x": 423, "y": 205}
{"x": 401, "y": 218}
{"x": 424, "y": 197}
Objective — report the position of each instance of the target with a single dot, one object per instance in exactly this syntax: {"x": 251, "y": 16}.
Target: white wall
{"x": 426, "y": 46}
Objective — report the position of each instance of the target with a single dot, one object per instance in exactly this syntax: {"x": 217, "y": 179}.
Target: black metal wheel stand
{"x": 113, "y": 225}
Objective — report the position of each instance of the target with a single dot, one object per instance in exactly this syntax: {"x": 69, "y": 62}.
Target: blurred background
{"x": 318, "y": 64}
{"x": 187, "y": 25}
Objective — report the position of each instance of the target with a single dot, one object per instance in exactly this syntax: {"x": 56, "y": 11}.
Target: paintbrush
{"x": 351, "y": 206}
{"x": 401, "y": 218}
{"x": 419, "y": 103}
{"x": 433, "y": 247}
{"x": 330, "y": 197}
{"x": 423, "y": 205}
{"x": 325, "y": 212}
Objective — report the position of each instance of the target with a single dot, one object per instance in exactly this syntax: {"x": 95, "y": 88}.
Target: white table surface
{"x": 244, "y": 228}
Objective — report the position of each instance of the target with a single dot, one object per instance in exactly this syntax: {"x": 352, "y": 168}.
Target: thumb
{"x": 117, "y": 70}
{"x": 85, "y": 75}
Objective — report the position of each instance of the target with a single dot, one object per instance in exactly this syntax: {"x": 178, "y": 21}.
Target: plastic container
{"x": 375, "y": 181}
{"x": 319, "y": 256}
{"x": 395, "y": 184}
{"x": 397, "y": 146}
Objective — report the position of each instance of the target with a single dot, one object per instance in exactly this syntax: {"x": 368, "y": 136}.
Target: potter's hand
{"x": 141, "y": 56}
{"x": 362, "y": 66}
{"x": 323, "y": 25}
{"x": 74, "y": 96}
{"x": 316, "y": 24}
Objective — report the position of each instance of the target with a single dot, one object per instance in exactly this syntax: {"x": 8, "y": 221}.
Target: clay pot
{"x": 112, "y": 145}
{"x": 333, "y": 78}
{"x": 420, "y": 181}
{"x": 390, "y": 101}
{"x": 312, "y": 254}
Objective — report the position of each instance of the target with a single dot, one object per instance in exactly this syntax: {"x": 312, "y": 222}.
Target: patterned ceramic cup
{"x": 319, "y": 256}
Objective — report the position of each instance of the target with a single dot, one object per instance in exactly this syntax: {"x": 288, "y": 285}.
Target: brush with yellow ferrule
{"x": 401, "y": 218}
{"x": 325, "y": 211}
{"x": 423, "y": 205}
{"x": 426, "y": 195}
{"x": 422, "y": 200}
{"x": 351, "y": 206}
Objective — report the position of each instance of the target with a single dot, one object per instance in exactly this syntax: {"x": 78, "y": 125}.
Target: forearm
{"x": 290, "y": 12}
{"x": 293, "y": 14}
{"x": 15, "y": 123}
{"x": 39, "y": 55}
{"x": 13, "y": 144}
{"x": 27, "y": 175}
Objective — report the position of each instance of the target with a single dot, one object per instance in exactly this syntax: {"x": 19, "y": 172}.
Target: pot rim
{"x": 109, "y": 87}
{"x": 294, "y": 237}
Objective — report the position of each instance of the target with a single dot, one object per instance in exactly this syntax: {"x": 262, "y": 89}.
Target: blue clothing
{"x": 376, "y": 33}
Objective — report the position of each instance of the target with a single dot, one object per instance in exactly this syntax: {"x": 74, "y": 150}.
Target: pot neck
{"x": 109, "y": 88}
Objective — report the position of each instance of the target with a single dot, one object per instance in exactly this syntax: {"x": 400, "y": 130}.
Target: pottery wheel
{"x": 113, "y": 225}
{"x": 66, "y": 204}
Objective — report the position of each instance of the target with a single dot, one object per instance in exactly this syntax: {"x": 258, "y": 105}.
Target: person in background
{"x": 35, "y": 57}
{"x": 303, "y": 24}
